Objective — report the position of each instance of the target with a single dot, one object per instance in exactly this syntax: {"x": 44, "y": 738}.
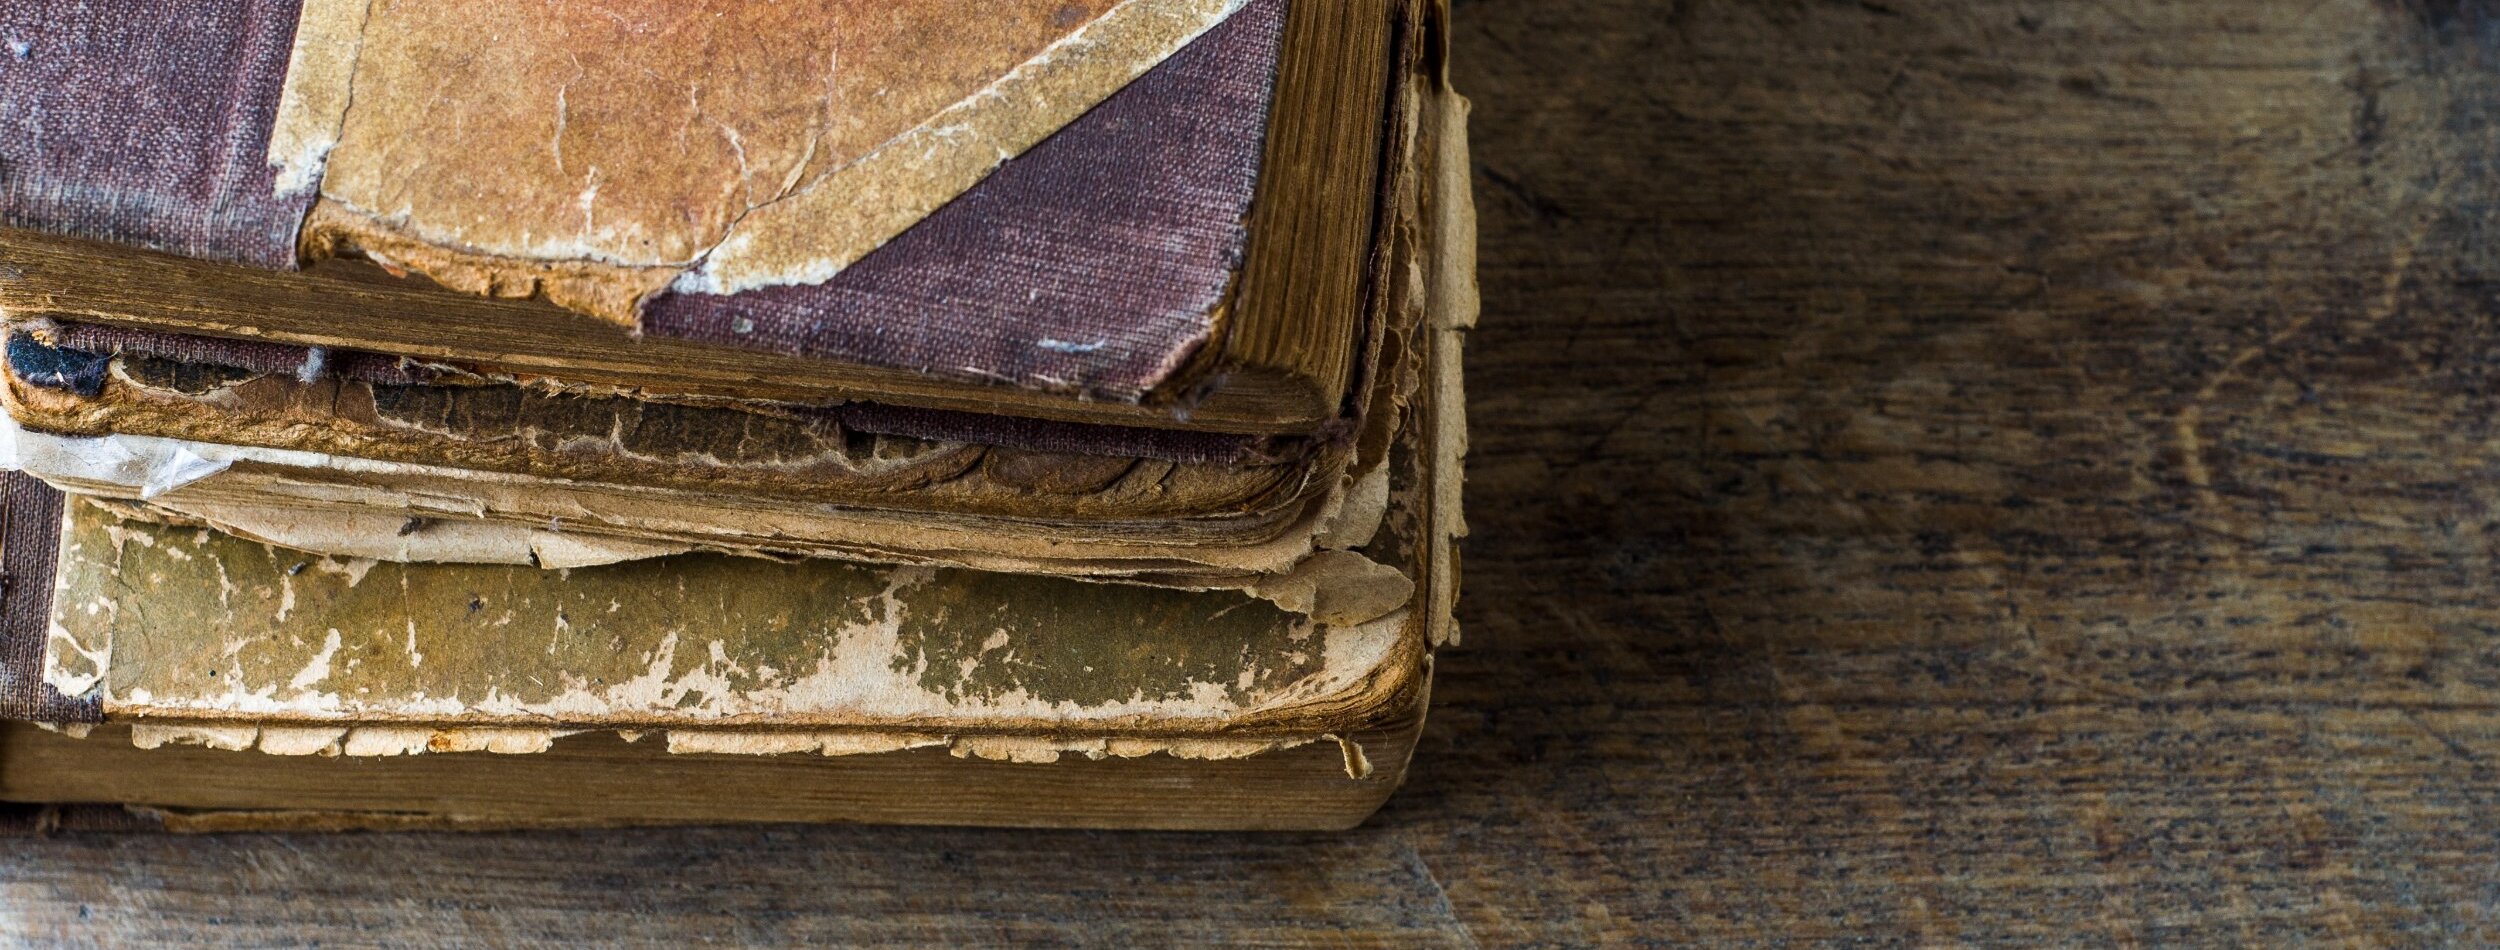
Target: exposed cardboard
{"x": 313, "y": 103}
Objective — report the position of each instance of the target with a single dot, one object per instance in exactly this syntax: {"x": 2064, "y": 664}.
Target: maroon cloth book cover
{"x": 30, "y": 539}
{"x": 1092, "y": 262}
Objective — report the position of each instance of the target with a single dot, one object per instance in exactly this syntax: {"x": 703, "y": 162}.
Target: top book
{"x": 1158, "y": 213}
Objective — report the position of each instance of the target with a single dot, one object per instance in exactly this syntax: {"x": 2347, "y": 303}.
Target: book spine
{"x": 30, "y": 546}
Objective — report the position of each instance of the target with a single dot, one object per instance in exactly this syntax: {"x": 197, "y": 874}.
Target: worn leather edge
{"x": 1392, "y": 681}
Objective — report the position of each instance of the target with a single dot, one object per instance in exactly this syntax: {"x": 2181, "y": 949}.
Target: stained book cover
{"x": 235, "y": 642}
{"x": 1047, "y": 194}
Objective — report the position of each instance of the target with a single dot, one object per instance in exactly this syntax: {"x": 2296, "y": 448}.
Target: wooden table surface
{"x": 1946, "y": 473}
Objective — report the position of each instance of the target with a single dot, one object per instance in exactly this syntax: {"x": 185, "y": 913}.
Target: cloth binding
{"x": 147, "y": 124}
{"x": 30, "y": 541}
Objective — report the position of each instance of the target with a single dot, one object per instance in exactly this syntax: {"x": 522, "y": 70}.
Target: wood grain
{"x": 1946, "y": 473}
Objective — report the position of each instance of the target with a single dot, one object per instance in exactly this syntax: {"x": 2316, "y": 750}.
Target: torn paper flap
{"x": 403, "y": 538}
{"x": 1339, "y": 588}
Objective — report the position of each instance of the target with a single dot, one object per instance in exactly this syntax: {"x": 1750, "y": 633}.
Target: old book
{"x": 87, "y": 379}
{"x": 401, "y": 460}
{"x": 407, "y": 513}
{"x": 178, "y": 627}
{"x": 488, "y": 472}
{"x": 214, "y": 683}
{"x": 1160, "y": 213}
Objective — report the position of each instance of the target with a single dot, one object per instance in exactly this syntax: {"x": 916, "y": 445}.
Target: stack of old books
{"x": 434, "y": 413}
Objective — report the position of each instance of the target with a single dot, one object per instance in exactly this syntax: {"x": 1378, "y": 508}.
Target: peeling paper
{"x": 1365, "y": 507}
{"x": 1028, "y": 750}
{"x": 354, "y": 742}
{"x": 1046, "y": 750}
{"x": 1455, "y": 302}
{"x": 373, "y": 742}
{"x": 820, "y": 648}
{"x": 181, "y": 468}
{"x": 393, "y": 741}
{"x": 698, "y": 742}
{"x": 667, "y": 521}
{"x": 501, "y": 741}
{"x": 301, "y": 740}
{"x": 226, "y": 738}
{"x": 1339, "y": 588}
{"x": 313, "y": 102}
{"x": 400, "y": 538}
{"x": 1357, "y": 765}
{"x": 1204, "y": 750}
{"x": 72, "y": 667}
{"x": 136, "y": 462}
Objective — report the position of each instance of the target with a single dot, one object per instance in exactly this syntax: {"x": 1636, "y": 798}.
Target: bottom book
{"x": 171, "y": 676}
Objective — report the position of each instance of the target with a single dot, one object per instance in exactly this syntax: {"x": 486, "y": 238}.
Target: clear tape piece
{"x": 153, "y": 466}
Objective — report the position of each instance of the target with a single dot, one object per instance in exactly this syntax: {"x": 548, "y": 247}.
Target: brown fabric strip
{"x": 147, "y": 124}
{"x": 259, "y": 356}
{"x": 30, "y": 541}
